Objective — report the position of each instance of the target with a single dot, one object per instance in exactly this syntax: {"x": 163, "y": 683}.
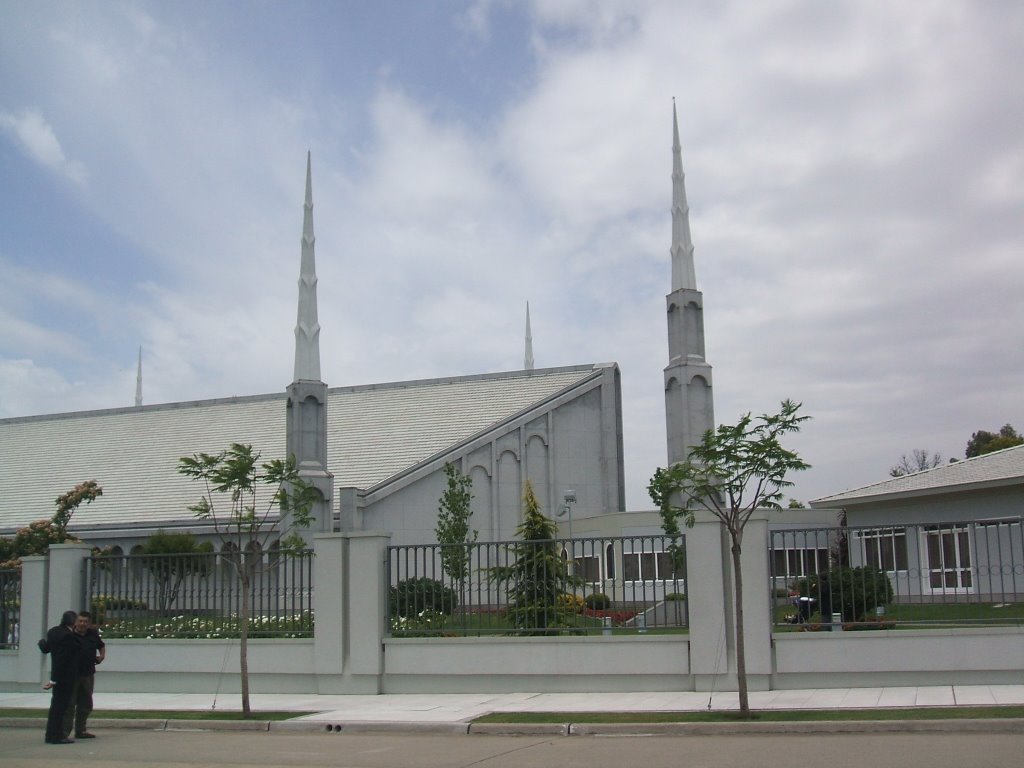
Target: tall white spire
{"x": 307, "y": 329}
{"x": 138, "y": 381}
{"x": 528, "y": 359}
{"x": 689, "y": 404}
{"x": 683, "y": 275}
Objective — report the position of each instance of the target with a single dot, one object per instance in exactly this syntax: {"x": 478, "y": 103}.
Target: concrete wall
{"x": 351, "y": 652}
{"x": 573, "y": 443}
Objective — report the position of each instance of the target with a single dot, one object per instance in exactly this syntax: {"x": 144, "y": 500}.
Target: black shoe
{"x": 85, "y": 735}
{"x": 59, "y": 741}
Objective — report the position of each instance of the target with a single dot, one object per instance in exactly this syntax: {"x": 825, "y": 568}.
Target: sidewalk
{"x": 455, "y": 708}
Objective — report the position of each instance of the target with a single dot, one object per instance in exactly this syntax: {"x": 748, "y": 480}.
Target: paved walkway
{"x": 462, "y": 707}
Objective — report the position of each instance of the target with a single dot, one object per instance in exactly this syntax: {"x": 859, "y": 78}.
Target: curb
{"x": 520, "y": 729}
{"x": 991, "y": 725}
{"x": 325, "y": 726}
{"x": 822, "y": 726}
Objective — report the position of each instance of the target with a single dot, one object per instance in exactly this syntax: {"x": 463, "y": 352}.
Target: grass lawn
{"x": 930, "y": 616}
{"x": 782, "y": 716}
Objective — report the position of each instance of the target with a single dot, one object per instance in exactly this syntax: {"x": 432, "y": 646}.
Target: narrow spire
{"x": 528, "y": 360}
{"x": 683, "y": 275}
{"x": 138, "y": 381}
{"x": 307, "y": 329}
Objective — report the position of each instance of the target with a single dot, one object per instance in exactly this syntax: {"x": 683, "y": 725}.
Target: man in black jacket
{"x": 91, "y": 653}
{"x": 63, "y": 645}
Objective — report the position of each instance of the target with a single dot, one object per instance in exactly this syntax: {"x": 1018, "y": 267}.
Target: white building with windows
{"x": 954, "y": 530}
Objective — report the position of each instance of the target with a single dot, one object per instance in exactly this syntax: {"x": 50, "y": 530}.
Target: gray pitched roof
{"x": 1005, "y": 467}
{"x": 374, "y": 433}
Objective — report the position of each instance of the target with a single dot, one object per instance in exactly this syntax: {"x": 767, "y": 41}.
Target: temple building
{"x": 376, "y": 454}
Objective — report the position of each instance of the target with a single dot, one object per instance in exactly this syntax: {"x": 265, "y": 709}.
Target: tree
{"x": 538, "y": 575}
{"x": 983, "y": 442}
{"x": 918, "y": 461}
{"x": 170, "y": 558}
{"x": 83, "y": 493}
{"x": 733, "y": 471}
{"x": 453, "y": 531}
{"x": 36, "y": 538}
{"x": 240, "y": 499}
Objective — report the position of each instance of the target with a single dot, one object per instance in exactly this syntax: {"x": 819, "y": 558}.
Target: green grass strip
{"x": 778, "y": 716}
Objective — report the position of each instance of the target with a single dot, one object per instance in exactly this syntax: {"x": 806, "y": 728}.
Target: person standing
{"x": 62, "y": 644}
{"x": 92, "y": 651}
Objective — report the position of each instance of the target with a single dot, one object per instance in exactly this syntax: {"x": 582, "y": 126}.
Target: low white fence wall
{"x": 351, "y": 652}
{"x": 899, "y": 657}
{"x": 543, "y": 664}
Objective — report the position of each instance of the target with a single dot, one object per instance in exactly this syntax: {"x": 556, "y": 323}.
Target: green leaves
{"x": 452, "y": 528}
{"x": 241, "y": 494}
{"x": 734, "y": 470}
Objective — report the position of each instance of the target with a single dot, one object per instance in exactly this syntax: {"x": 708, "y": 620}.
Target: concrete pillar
{"x": 329, "y": 579}
{"x": 709, "y": 599}
{"x": 712, "y": 608}
{"x": 66, "y": 584}
{"x": 757, "y": 611}
{"x": 348, "y": 601}
{"x": 366, "y": 609}
{"x": 32, "y": 664}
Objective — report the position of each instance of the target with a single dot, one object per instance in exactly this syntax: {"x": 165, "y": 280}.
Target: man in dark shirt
{"x": 63, "y": 646}
{"x": 91, "y": 653}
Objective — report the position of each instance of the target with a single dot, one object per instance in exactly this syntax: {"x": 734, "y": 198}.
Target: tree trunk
{"x": 243, "y": 648}
{"x": 741, "y": 657}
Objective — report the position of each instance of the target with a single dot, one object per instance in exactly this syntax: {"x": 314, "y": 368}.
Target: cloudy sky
{"x": 855, "y": 172}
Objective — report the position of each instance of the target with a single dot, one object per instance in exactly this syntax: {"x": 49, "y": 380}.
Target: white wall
{"x": 351, "y": 653}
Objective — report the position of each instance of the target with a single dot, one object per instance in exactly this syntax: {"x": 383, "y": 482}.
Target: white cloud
{"x": 38, "y": 140}
{"x": 852, "y": 174}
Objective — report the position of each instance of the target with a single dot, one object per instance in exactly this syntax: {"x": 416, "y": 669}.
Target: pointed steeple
{"x": 528, "y": 359}
{"x": 307, "y": 329}
{"x": 138, "y": 381}
{"x": 683, "y": 275}
{"x": 306, "y": 410}
{"x": 689, "y": 406}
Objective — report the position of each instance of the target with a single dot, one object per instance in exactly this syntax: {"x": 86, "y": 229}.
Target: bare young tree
{"x": 918, "y": 461}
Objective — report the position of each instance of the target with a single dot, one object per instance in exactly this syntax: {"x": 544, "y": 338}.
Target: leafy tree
{"x": 83, "y": 493}
{"x": 36, "y": 538}
{"x": 538, "y": 575}
{"x": 983, "y": 442}
{"x": 796, "y": 504}
{"x": 248, "y": 503}
{"x": 453, "y": 531}
{"x": 170, "y": 558}
{"x": 918, "y": 461}
{"x": 733, "y": 471}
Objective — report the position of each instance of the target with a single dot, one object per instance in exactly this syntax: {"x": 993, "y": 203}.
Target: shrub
{"x": 598, "y": 601}
{"x": 414, "y": 596}
{"x": 570, "y": 603}
{"x": 100, "y": 604}
{"x": 856, "y": 592}
{"x": 853, "y": 592}
{"x": 674, "y": 596}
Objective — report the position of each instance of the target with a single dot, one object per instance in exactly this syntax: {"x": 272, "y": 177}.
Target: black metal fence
{"x": 632, "y": 584}
{"x": 10, "y": 608}
{"x": 923, "y": 574}
{"x": 200, "y": 595}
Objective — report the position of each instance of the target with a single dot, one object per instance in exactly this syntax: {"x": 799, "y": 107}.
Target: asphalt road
{"x": 24, "y": 748}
